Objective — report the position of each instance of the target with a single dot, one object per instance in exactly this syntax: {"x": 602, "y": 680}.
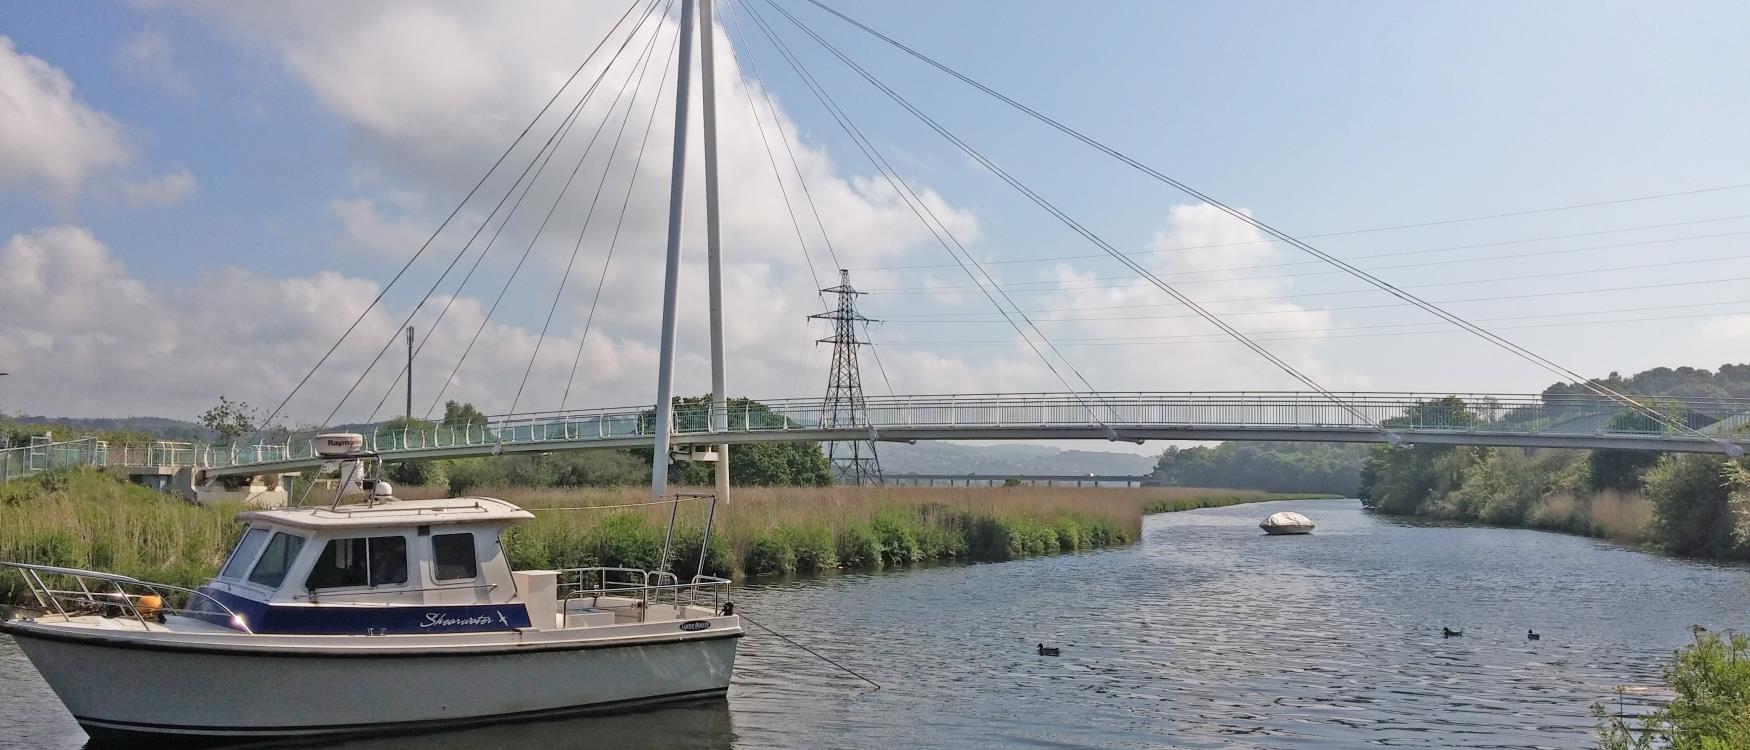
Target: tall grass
{"x": 89, "y": 519}
{"x": 82, "y": 518}
{"x": 779, "y": 530}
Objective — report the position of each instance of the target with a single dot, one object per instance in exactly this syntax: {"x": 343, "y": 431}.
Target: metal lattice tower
{"x": 853, "y": 461}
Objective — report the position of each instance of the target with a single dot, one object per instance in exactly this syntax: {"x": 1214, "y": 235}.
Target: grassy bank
{"x": 88, "y": 519}
{"x": 1173, "y": 499}
{"x": 780, "y": 530}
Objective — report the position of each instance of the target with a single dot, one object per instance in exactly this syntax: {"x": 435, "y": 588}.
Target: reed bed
{"x": 780, "y": 530}
{"x": 96, "y": 521}
{"x": 89, "y": 519}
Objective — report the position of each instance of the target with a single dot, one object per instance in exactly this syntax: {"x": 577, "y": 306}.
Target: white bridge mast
{"x": 664, "y": 426}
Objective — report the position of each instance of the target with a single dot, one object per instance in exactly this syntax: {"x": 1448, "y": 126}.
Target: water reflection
{"x": 695, "y": 724}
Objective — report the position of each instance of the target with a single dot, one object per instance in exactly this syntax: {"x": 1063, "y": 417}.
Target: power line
{"x": 1302, "y": 311}
{"x": 1267, "y": 277}
{"x": 1448, "y": 248}
{"x": 1548, "y": 275}
{"x": 901, "y": 317}
{"x": 1372, "y": 326}
{"x": 1213, "y": 339}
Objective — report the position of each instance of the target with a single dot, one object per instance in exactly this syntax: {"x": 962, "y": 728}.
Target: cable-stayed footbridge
{"x": 1511, "y": 420}
{"x": 621, "y": 66}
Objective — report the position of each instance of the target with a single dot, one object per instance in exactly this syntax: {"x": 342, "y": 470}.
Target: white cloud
{"x": 46, "y": 134}
{"x": 363, "y": 227}
{"x": 1188, "y": 358}
{"x": 167, "y": 189}
{"x": 147, "y": 56}
{"x": 432, "y": 93}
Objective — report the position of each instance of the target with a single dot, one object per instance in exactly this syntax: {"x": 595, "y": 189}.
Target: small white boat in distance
{"x": 372, "y": 617}
{"x": 1287, "y": 522}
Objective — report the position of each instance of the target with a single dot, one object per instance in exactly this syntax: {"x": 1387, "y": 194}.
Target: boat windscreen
{"x": 245, "y": 554}
{"x": 276, "y": 560}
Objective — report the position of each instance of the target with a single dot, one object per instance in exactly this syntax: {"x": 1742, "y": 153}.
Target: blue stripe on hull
{"x": 343, "y": 619}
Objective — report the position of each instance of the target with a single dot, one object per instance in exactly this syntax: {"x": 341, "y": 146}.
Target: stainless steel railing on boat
{"x": 71, "y": 592}
{"x": 644, "y": 587}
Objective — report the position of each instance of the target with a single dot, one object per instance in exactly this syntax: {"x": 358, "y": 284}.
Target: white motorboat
{"x": 371, "y": 617}
{"x": 1286, "y": 522}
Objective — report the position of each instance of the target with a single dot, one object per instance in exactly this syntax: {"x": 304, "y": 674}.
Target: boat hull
{"x": 1287, "y": 530}
{"x": 117, "y": 688}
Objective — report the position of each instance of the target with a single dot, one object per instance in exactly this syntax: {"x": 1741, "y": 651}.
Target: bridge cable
{"x": 533, "y": 240}
{"x": 784, "y": 192}
{"x": 802, "y": 180}
{"x": 1070, "y": 222}
{"x": 637, "y": 81}
{"x": 1526, "y": 354}
{"x": 620, "y": 222}
{"x": 920, "y": 208}
{"x": 559, "y": 134}
{"x": 452, "y": 215}
{"x": 553, "y": 142}
{"x": 565, "y": 129}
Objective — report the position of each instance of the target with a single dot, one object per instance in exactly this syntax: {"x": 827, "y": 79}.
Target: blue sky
{"x": 224, "y": 187}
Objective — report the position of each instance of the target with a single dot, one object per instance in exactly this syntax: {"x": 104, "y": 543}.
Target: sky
{"x": 200, "y": 198}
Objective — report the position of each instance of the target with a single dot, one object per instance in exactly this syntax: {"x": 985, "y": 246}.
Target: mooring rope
{"x": 816, "y": 654}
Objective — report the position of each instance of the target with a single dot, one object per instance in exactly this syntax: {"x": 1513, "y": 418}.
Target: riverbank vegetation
{"x": 90, "y": 519}
{"x": 1710, "y": 708}
{"x": 1175, "y": 499}
{"x": 780, "y": 530}
{"x": 82, "y": 518}
{"x": 1333, "y": 468}
{"x": 1694, "y": 505}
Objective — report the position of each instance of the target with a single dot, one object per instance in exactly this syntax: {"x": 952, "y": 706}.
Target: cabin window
{"x": 362, "y": 561}
{"x": 245, "y": 553}
{"x": 277, "y": 560}
{"x": 452, "y": 557}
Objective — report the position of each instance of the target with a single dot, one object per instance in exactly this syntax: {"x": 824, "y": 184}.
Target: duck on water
{"x": 370, "y": 617}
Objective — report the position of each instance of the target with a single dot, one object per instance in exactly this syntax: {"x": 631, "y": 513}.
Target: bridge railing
{"x": 1516, "y": 414}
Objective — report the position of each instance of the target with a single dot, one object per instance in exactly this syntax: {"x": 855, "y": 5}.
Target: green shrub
{"x": 1711, "y": 709}
{"x": 894, "y": 533}
{"x": 858, "y": 547}
{"x": 770, "y": 555}
{"x": 813, "y": 547}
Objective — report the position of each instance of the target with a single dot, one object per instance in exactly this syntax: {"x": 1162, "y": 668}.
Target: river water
{"x": 1206, "y": 634}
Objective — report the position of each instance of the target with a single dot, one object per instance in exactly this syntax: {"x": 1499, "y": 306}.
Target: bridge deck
{"x": 1511, "y": 420}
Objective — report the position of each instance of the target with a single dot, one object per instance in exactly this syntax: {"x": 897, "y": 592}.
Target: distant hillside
{"x": 1730, "y": 381}
{"x": 160, "y": 428}
{"x": 956, "y": 458}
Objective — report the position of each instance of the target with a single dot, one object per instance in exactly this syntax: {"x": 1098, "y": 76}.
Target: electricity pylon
{"x": 853, "y": 461}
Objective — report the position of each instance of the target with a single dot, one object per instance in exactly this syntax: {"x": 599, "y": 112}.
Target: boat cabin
{"x": 405, "y": 566}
